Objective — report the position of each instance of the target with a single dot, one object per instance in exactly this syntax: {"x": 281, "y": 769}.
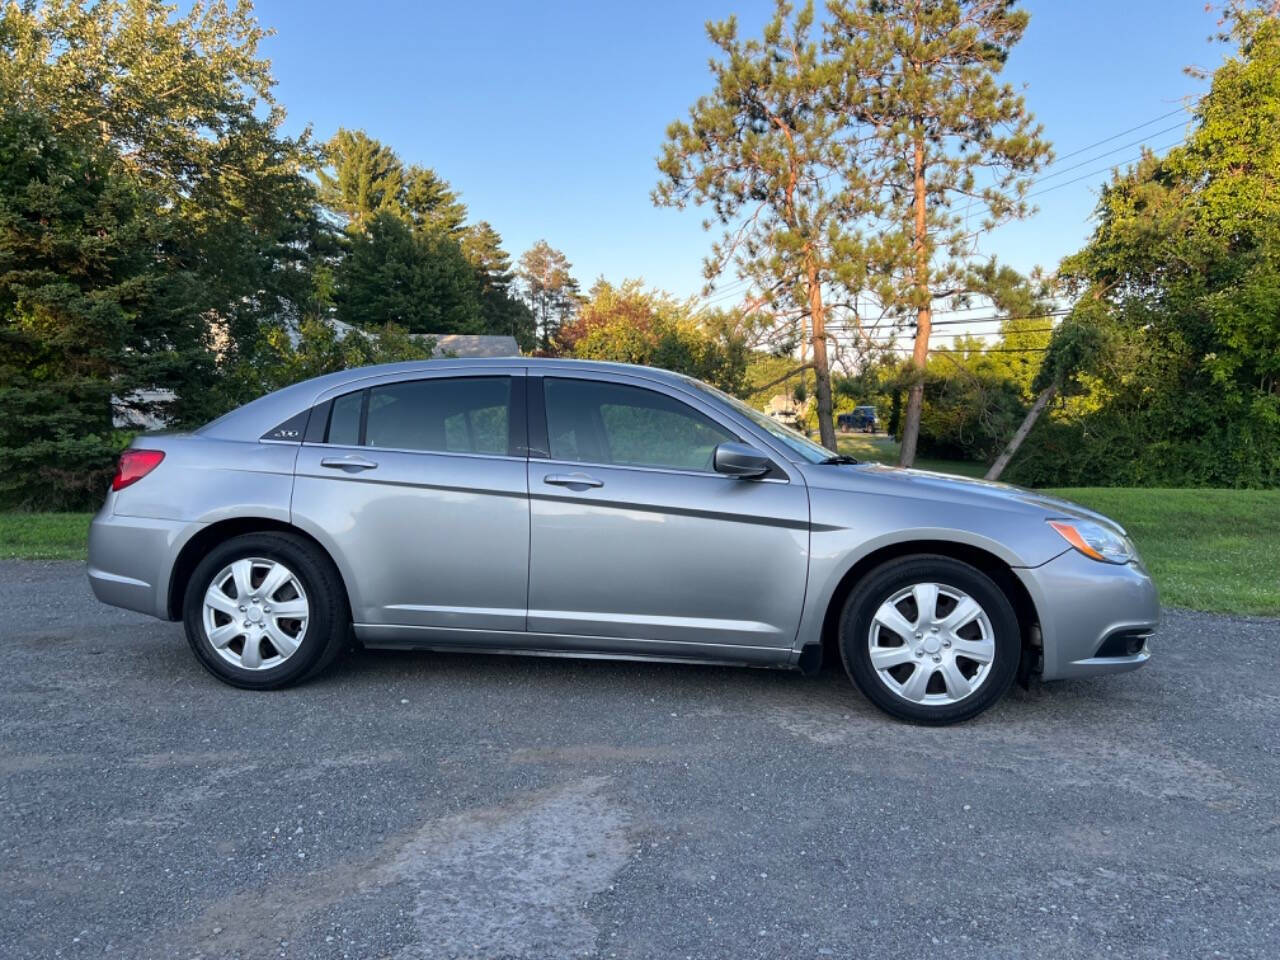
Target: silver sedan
{"x": 588, "y": 509}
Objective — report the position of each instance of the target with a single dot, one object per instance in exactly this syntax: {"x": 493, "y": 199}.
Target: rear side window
{"x": 446, "y": 415}
{"x": 598, "y": 422}
{"x": 344, "y": 420}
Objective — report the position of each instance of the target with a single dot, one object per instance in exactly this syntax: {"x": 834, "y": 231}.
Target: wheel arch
{"x": 215, "y": 533}
{"x": 989, "y": 563}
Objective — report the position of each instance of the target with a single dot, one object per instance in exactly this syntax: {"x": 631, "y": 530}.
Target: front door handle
{"x": 572, "y": 480}
{"x": 351, "y": 463}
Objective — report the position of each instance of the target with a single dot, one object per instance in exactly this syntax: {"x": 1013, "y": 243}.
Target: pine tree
{"x": 549, "y": 289}
{"x": 482, "y": 246}
{"x": 504, "y": 313}
{"x": 185, "y": 102}
{"x": 89, "y": 312}
{"x": 765, "y": 152}
{"x": 430, "y": 203}
{"x": 931, "y": 128}
{"x": 418, "y": 281}
{"x": 363, "y": 178}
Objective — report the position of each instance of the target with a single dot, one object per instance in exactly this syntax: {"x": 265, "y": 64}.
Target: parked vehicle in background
{"x": 861, "y": 419}
{"x": 569, "y": 507}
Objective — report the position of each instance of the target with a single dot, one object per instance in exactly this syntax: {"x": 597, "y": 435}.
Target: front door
{"x": 420, "y": 488}
{"x": 634, "y": 536}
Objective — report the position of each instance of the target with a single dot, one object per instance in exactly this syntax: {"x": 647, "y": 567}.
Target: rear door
{"x": 634, "y": 536}
{"x": 419, "y": 488}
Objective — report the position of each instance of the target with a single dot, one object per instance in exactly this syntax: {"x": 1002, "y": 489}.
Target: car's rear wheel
{"x": 265, "y": 610}
{"x": 930, "y": 639}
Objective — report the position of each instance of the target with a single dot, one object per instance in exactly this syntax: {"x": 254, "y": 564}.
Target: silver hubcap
{"x": 932, "y": 644}
{"x": 255, "y": 613}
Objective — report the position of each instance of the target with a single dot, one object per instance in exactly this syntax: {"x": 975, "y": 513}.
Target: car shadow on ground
{"x": 829, "y": 693}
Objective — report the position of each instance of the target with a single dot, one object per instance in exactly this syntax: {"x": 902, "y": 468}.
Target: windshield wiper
{"x": 838, "y": 458}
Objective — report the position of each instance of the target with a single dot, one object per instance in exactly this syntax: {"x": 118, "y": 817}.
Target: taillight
{"x": 134, "y": 465}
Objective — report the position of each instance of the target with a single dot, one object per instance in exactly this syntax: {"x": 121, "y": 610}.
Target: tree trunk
{"x": 1029, "y": 421}
{"x": 822, "y": 372}
{"x": 924, "y": 318}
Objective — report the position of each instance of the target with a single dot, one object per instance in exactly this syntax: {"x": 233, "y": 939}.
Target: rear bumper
{"x": 1083, "y": 603}
{"x": 131, "y": 560}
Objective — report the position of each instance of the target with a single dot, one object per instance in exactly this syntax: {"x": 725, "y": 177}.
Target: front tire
{"x": 265, "y": 610}
{"x": 930, "y": 639}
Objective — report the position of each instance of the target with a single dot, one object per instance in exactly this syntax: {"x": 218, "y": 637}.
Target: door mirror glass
{"x": 741, "y": 460}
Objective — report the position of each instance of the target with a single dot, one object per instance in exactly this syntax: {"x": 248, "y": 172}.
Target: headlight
{"x": 1095, "y": 541}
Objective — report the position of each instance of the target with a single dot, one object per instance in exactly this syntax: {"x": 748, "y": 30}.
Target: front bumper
{"x": 131, "y": 560}
{"x": 1082, "y": 604}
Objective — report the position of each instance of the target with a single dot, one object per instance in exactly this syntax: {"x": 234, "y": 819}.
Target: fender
{"x": 832, "y": 558}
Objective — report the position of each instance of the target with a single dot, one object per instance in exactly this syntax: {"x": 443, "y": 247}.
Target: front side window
{"x": 593, "y": 421}
{"x": 445, "y": 415}
{"x": 797, "y": 442}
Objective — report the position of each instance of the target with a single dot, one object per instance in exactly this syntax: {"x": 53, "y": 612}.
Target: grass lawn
{"x": 1215, "y": 550}
{"x": 44, "y": 536}
{"x": 882, "y": 449}
{"x": 1207, "y": 549}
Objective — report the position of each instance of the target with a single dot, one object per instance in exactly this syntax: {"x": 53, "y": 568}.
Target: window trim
{"x": 539, "y": 442}
{"x": 539, "y": 432}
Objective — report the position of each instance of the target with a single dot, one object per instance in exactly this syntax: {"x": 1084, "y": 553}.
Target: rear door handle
{"x": 572, "y": 480}
{"x": 352, "y": 463}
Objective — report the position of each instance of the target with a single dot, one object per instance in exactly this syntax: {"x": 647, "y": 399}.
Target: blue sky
{"x": 548, "y": 116}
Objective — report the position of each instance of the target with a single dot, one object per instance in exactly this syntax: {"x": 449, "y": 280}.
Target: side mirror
{"x": 740, "y": 460}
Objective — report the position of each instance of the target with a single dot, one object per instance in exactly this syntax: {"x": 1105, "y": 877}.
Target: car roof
{"x": 259, "y": 416}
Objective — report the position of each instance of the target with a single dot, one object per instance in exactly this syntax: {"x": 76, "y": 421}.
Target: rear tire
{"x": 236, "y": 633}
{"x": 931, "y": 666}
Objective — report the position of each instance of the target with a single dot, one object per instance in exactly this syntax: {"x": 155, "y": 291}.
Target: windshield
{"x": 802, "y": 445}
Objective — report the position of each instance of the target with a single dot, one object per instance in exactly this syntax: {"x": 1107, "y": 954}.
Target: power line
{"x": 1117, "y": 136}
{"x": 906, "y": 348}
{"x": 1094, "y": 173}
{"x": 1049, "y": 176}
{"x": 1123, "y": 146}
{"x": 891, "y": 334}
{"x": 995, "y": 318}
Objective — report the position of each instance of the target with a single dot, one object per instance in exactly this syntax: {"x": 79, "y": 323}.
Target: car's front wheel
{"x": 930, "y": 639}
{"x": 264, "y": 610}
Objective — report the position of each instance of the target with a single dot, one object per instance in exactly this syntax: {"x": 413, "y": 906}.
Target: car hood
{"x": 965, "y": 491}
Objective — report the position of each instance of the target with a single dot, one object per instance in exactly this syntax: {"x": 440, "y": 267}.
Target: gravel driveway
{"x": 420, "y": 805}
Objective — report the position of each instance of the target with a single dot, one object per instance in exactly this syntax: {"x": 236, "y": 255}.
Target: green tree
{"x": 361, "y": 179}
{"x": 549, "y": 289}
{"x": 185, "y": 102}
{"x": 767, "y": 152}
{"x": 933, "y": 128}
{"x": 89, "y": 311}
{"x": 1074, "y": 351}
{"x": 1027, "y": 310}
{"x": 315, "y": 347}
{"x": 403, "y": 261}
{"x": 419, "y": 281}
{"x": 502, "y": 310}
{"x": 1182, "y": 274}
{"x": 629, "y": 324}
{"x": 431, "y": 204}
